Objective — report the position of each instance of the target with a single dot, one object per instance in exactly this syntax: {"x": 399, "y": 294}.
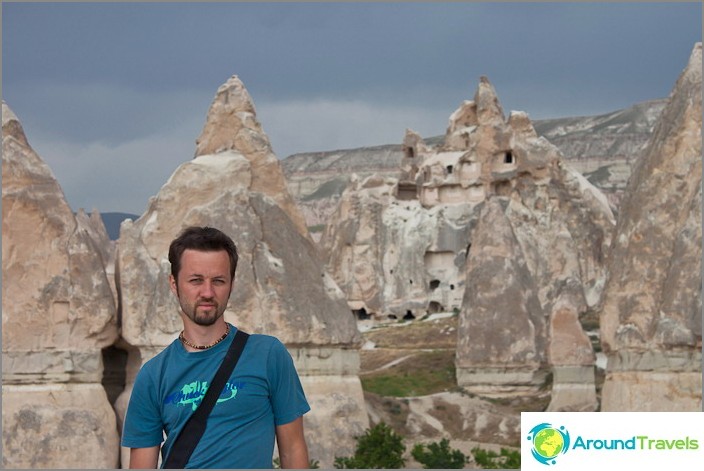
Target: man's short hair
{"x": 204, "y": 239}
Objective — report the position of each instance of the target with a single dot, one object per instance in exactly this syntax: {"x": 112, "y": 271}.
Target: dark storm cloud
{"x": 108, "y": 81}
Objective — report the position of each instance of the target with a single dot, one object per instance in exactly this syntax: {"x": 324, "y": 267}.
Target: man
{"x": 262, "y": 399}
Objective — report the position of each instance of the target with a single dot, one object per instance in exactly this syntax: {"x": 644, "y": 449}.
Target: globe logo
{"x": 548, "y": 442}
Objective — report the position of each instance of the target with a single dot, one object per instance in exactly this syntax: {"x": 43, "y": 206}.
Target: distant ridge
{"x": 112, "y": 222}
{"x": 601, "y": 147}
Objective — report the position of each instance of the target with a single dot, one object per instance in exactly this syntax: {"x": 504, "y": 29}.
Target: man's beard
{"x": 200, "y": 317}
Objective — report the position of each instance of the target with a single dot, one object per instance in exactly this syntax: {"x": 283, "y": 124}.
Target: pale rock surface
{"x": 58, "y": 426}
{"x": 502, "y": 335}
{"x": 412, "y": 246}
{"x": 459, "y": 416}
{"x": 536, "y": 261}
{"x": 651, "y": 324}
{"x": 231, "y": 124}
{"x": 58, "y": 313}
{"x": 235, "y": 184}
{"x": 603, "y": 148}
{"x": 95, "y": 228}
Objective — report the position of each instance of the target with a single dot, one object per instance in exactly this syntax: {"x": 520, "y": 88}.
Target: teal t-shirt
{"x": 264, "y": 391}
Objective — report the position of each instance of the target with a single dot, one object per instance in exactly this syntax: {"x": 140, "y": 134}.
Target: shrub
{"x": 379, "y": 448}
{"x": 488, "y": 459}
{"x": 439, "y": 455}
{"x": 312, "y": 464}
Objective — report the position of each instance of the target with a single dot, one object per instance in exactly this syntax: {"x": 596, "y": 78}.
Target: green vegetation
{"x": 422, "y": 374}
{"x": 439, "y": 455}
{"x": 379, "y": 448}
{"x": 327, "y": 189}
{"x": 487, "y": 459}
{"x": 382, "y": 448}
{"x": 312, "y": 464}
{"x": 316, "y": 228}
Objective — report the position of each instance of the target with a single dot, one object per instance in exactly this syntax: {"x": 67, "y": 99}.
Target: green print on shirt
{"x": 192, "y": 393}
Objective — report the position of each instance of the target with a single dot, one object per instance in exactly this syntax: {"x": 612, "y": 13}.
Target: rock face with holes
{"x": 536, "y": 264}
{"x": 491, "y": 223}
{"x": 58, "y": 312}
{"x": 651, "y": 324}
{"x": 235, "y": 183}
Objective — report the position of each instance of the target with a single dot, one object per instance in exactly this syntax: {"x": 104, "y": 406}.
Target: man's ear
{"x": 172, "y": 284}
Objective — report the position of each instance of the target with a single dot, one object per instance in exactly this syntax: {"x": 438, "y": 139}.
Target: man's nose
{"x": 207, "y": 290}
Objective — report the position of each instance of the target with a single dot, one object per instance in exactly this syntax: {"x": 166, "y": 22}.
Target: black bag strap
{"x": 191, "y": 433}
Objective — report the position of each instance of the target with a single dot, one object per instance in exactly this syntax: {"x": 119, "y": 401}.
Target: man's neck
{"x": 196, "y": 337}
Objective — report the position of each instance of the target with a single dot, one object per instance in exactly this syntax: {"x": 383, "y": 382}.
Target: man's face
{"x": 203, "y": 285}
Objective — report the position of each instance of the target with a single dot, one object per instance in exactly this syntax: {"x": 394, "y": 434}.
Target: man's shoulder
{"x": 265, "y": 343}
{"x": 264, "y": 338}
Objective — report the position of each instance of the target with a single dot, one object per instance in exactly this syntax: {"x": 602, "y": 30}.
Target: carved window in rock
{"x": 434, "y": 284}
{"x": 406, "y": 191}
{"x": 410, "y": 152}
{"x": 434, "y": 307}
{"x": 504, "y": 161}
{"x": 449, "y": 169}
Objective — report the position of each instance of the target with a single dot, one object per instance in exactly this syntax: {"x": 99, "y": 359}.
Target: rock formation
{"x": 58, "y": 312}
{"x": 603, "y": 148}
{"x": 535, "y": 266}
{"x": 651, "y": 319}
{"x": 493, "y": 224}
{"x": 235, "y": 183}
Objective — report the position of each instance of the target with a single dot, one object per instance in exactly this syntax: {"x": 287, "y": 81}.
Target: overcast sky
{"x": 113, "y": 95}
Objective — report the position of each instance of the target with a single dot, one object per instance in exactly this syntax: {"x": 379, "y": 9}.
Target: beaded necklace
{"x": 204, "y": 347}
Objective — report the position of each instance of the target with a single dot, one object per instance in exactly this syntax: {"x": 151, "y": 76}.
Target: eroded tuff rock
{"x": 58, "y": 312}
{"x": 491, "y": 223}
{"x": 651, "y": 324}
{"x": 603, "y": 148}
{"x": 235, "y": 184}
{"x": 231, "y": 124}
{"x": 536, "y": 259}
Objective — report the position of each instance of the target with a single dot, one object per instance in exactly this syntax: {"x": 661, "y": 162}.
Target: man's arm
{"x": 144, "y": 458}
{"x": 293, "y": 451}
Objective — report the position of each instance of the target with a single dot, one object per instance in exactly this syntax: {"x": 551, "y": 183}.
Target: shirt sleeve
{"x": 287, "y": 397}
{"x": 143, "y": 426}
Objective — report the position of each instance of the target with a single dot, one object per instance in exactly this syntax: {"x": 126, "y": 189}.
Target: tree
{"x": 488, "y": 459}
{"x": 379, "y": 448}
{"x": 439, "y": 455}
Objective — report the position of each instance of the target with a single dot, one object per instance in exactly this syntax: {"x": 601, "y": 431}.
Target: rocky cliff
{"x": 58, "y": 313}
{"x": 651, "y": 319}
{"x": 491, "y": 223}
